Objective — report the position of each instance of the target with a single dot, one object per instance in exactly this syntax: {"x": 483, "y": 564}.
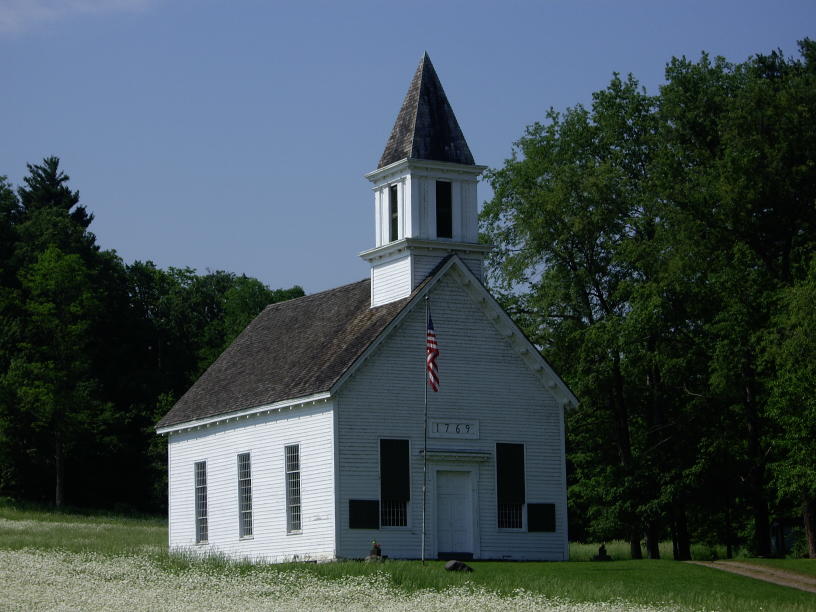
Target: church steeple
{"x": 424, "y": 193}
{"x": 426, "y": 127}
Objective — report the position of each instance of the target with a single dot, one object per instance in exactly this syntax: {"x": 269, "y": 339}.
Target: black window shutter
{"x": 510, "y": 473}
{"x": 540, "y": 517}
{"x": 364, "y": 514}
{"x": 395, "y": 481}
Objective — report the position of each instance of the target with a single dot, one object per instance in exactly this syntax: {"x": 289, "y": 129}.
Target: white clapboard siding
{"x": 424, "y": 264}
{"x": 391, "y": 281}
{"x": 482, "y": 379}
{"x": 264, "y": 437}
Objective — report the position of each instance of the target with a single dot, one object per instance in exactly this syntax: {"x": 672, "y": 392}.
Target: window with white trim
{"x": 244, "y": 496}
{"x": 201, "y": 501}
{"x": 292, "y": 458}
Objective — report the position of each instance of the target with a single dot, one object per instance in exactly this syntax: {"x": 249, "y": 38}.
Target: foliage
{"x": 93, "y": 351}
{"x": 656, "y": 248}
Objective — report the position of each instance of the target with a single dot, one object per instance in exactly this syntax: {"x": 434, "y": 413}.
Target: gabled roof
{"x": 292, "y": 349}
{"x": 426, "y": 127}
{"x": 311, "y": 345}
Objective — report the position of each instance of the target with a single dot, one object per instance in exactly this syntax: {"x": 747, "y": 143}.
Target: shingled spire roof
{"x": 426, "y": 127}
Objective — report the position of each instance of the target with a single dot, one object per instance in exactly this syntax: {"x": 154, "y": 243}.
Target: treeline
{"x": 94, "y": 351}
{"x": 660, "y": 249}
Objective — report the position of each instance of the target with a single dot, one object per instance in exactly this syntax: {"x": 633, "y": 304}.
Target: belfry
{"x": 425, "y": 203}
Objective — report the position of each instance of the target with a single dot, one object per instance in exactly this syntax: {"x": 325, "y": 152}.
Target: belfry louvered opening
{"x": 444, "y": 210}
{"x": 395, "y": 483}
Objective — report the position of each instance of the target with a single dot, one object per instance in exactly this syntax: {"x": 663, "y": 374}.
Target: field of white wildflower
{"x": 54, "y": 580}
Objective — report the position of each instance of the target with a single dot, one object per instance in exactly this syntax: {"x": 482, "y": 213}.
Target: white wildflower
{"x": 54, "y": 580}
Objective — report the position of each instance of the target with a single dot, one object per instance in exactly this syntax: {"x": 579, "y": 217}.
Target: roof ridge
{"x": 421, "y": 67}
{"x": 316, "y": 294}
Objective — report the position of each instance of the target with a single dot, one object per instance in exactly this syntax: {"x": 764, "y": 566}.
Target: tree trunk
{"x": 634, "y": 546}
{"x": 729, "y": 549}
{"x": 682, "y": 550}
{"x": 756, "y": 477}
{"x": 653, "y": 540}
{"x": 624, "y": 444}
{"x": 655, "y": 430}
{"x": 59, "y": 471}
{"x": 809, "y": 517}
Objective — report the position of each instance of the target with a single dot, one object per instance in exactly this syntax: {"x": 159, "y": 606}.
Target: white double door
{"x": 454, "y": 512}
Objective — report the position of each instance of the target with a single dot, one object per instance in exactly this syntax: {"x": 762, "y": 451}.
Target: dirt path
{"x": 764, "y": 572}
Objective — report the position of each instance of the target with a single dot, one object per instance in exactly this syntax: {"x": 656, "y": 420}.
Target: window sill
{"x": 202, "y": 543}
{"x": 396, "y": 527}
{"x": 297, "y": 532}
{"x": 247, "y": 537}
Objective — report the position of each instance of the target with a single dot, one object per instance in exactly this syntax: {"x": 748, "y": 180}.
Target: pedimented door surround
{"x": 453, "y": 495}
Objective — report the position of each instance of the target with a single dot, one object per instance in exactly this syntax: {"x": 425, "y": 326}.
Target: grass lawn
{"x": 77, "y": 561}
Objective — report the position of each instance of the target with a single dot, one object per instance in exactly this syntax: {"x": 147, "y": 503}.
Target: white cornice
{"x": 398, "y": 248}
{"x": 289, "y": 404}
{"x": 456, "y": 456}
{"x": 421, "y": 166}
{"x": 520, "y": 343}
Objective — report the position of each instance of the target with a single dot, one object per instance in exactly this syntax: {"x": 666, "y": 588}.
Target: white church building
{"x": 306, "y": 438}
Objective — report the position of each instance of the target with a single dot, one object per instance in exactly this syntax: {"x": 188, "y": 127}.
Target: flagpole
{"x": 425, "y": 438}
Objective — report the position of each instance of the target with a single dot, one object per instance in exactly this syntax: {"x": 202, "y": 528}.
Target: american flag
{"x": 432, "y": 352}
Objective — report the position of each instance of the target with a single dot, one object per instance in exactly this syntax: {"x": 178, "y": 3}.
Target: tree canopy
{"x": 658, "y": 248}
{"x": 93, "y": 351}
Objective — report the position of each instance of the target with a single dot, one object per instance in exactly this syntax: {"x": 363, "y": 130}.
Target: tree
{"x": 51, "y": 371}
{"x": 93, "y": 352}
{"x": 646, "y": 246}
{"x": 564, "y": 205}
{"x": 792, "y": 347}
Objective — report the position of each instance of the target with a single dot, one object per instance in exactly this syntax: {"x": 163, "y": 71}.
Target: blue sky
{"x": 234, "y": 135}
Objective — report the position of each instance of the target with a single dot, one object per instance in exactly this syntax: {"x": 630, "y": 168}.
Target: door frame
{"x": 472, "y": 469}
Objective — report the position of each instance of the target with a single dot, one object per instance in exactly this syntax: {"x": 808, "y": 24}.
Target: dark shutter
{"x": 510, "y": 473}
{"x": 540, "y": 517}
{"x": 364, "y": 514}
{"x": 395, "y": 481}
{"x": 444, "y": 210}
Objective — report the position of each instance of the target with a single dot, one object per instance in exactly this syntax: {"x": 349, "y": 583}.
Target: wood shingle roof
{"x": 292, "y": 349}
{"x": 426, "y": 127}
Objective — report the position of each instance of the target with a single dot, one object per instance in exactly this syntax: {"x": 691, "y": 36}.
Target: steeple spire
{"x": 425, "y": 205}
{"x": 426, "y": 127}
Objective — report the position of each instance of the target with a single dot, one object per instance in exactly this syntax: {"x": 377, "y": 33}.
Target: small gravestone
{"x": 602, "y": 556}
{"x": 457, "y": 566}
{"x": 375, "y": 554}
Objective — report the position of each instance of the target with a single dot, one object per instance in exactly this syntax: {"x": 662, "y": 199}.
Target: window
{"x": 395, "y": 483}
{"x": 393, "y": 211}
{"x": 444, "y": 210}
{"x": 510, "y": 485}
{"x": 292, "y": 453}
{"x": 201, "y": 501}
{"x": 244, "y": 496}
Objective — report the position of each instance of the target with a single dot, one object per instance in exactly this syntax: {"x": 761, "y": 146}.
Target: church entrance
{"x": 454, "y": 516}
